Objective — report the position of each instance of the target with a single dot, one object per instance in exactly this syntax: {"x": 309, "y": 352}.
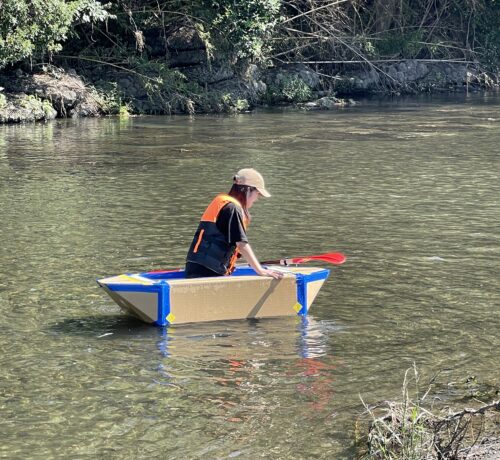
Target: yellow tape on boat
{"x": 133, "y": 280}
{"x": 297, "y": 307}
{"x": 170, "y": 318}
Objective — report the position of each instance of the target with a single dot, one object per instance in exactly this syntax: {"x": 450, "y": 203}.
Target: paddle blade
{"x": 331, "y": 257}
{"x": 336, "y": 258}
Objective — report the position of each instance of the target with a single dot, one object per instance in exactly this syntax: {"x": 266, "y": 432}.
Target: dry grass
{"x": 406, "y": 430}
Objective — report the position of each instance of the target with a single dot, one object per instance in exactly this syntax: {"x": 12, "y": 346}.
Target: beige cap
{"x": 252, "y": 178}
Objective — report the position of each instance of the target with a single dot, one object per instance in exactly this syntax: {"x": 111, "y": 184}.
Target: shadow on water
{"x": 115, "y": 326}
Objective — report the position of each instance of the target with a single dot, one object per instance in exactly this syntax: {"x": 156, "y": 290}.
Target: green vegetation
{"x": 257, "y": 30}
{"x": 144, "y": 38}
{"x": 37, "y": 28}
{"x": 230, "y": 104}
{"x": 295, "y": 89}
{"x": 291, "y": 89}
{"x": 124, "y": 112}
{"x": 34, "y": 103}
{"x": 48, "y": 109}
{"x": 402, "y": 432}
{"x": 109, "y": 98}
{"x": 242, "y": 27}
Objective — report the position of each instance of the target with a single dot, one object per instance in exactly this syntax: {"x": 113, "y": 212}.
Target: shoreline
{"x": 63, "y": 93}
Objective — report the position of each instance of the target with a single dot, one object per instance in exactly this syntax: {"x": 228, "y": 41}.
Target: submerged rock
{"x": 328, "y": 103}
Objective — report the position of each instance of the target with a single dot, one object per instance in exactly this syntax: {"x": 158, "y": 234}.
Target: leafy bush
{"x": 109, "y": 98}
{"x": 230, "y": 104}
{"x": 243, "y": 26}
{"x": 290, "y": 89}
{"x": 295, "y": 89}
{"x": 37, "y": 27}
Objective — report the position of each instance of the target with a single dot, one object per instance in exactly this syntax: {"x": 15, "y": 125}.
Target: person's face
{"x": 252, "y": 198}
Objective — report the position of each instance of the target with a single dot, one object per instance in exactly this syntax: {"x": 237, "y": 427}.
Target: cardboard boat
{"x": 167, "y": 297}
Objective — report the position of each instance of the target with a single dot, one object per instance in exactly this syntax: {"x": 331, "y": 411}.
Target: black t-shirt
{"x": 230, "y": 224}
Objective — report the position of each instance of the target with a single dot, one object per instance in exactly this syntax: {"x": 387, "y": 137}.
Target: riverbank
{"x": 65, "y": 92}
{"x": 411, "y": 427}
{"x": 407, "y": 430}
{"x": 232, "y": 56}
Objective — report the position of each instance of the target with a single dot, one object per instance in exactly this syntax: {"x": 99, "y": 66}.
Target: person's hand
{"x": 271, "y": 273}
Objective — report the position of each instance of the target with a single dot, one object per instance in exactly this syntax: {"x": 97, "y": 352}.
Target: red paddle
{"x": 331, "y": 257}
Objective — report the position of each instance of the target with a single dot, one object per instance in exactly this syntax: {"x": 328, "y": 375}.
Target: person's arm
{"x": 248, "y": 254}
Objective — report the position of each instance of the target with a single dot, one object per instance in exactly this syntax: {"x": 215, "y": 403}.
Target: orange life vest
{"x": 209, "y": 247}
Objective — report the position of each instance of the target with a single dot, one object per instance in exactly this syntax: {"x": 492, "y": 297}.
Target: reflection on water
{"x": 409, "y": 191}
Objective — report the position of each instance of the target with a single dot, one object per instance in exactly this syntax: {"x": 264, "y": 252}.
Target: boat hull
{"x": 164, "y": 298}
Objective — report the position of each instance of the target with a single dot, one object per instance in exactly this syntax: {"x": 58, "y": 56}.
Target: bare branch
{"x": 328, "y": 5}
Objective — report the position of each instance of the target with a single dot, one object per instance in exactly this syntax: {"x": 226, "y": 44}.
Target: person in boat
{"x": 221, "y": 236}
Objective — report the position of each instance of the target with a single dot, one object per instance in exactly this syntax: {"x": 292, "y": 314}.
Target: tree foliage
{"x": 242, "y": 28}
{"x": 245, "y": 26}
{"x": 256, "y": 30}
{"x": 34, "y": 28}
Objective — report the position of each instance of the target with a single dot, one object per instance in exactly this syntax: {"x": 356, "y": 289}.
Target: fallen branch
{"x": 494, "y": 405}
{"x": 458, "y": 61}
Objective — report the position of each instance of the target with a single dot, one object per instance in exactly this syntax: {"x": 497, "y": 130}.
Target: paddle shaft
{"x": 335, "y": 258}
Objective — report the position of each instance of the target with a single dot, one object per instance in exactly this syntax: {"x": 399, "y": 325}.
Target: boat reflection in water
{"x": 270, "y": 338}
{"x": 288, "y": 355}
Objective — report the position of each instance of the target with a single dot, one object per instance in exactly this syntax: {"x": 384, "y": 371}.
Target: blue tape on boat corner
{"x": 301, "y": 293}
{"x": 163, "y": 304}
{"x": 302, "y": 282}
{"x": 316, "y": 276}
{"x": 132, "y": 287}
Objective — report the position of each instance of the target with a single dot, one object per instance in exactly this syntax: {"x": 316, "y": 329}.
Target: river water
{"x": 408, "y": 189}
